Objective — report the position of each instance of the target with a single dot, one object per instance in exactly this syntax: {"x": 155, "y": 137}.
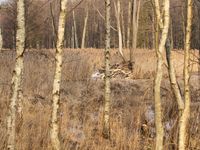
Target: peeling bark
{"x": 106, "y": 115}
{"x": 164, "y": 26}
{"x": 54, "y": 129}
{"x": 184, "y": 119}
{"x": 17, "y": 75}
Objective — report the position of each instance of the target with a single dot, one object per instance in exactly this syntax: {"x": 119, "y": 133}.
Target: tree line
{"x": 86, "y": 24}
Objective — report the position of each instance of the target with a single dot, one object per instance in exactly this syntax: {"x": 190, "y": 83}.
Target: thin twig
{"x": 103, "y": 17}
{"x": 75, "y": 6}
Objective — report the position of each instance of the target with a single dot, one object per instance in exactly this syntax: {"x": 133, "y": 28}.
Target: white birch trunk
{"x": 106, "y": 116}
{"x": 17, "y": 75}
{"x": 118, "y": 12}
{"x": 159, "y": 72}
{"x": 54, "y": 129}
{"x": 184, "y": 119}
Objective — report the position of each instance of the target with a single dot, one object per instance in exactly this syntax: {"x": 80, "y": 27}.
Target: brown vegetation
{"x": 82, "y": 101}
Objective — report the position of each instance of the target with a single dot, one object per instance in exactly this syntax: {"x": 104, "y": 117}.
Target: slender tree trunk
{"x": 155, "y": 28}
{"x": 183, "y": 22}
{"x": 75, "y": 31}
{"x": 53, "y": 26}
{"x": 164, "y": 25}
{"x": 171, "y": 34}
{"x": 184, "y": 119}
{"x": 72, "y": 38}
{"x": 135, "y": 22}
{"x": 129, "y": 23}
{"x": 153, "y": 35}
{"x": 54, "y": 129}
{"x": 199, "y": 44}
{"x": 138, "y": 16}
{"x": 199, "y": 68}
{"x": 14, "y": 39}
{"x": 17, "y": 74}
{"x": 172, "y": 76}
{"x": 106, "y": 116}
{"x": 123, "y": 31}
{"x": 84, "y": 29}
{"x": 118, "y": 12}
{"x": 1, "y": 40}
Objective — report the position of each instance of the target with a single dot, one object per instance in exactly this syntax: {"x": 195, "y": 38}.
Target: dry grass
{"x": 82, "y": 101}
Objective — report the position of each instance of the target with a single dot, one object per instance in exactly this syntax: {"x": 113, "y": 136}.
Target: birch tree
{"x": 184, "y": 119}
{"x": 17, "y": 74}
{"x": 1, "y": 40}
{"x": 135, "y": 22}
{"x": 129, "y": 23}
{"x": 173, "y": 81}
{"x": 183, "y": 106}
{"x": 72, "y": 38}
{"x": 106, "y": 116}
{"x": 54, "y": 34}
{"x": 54, "y": 129}
{"x": 84, "y": 29}
{"x": 117, "y": 14}
{"x": 172, "y": 77}
{"x": 123, "y": 30}
{"x": 75, "y": 31}
{"x": 164, "y": 27}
